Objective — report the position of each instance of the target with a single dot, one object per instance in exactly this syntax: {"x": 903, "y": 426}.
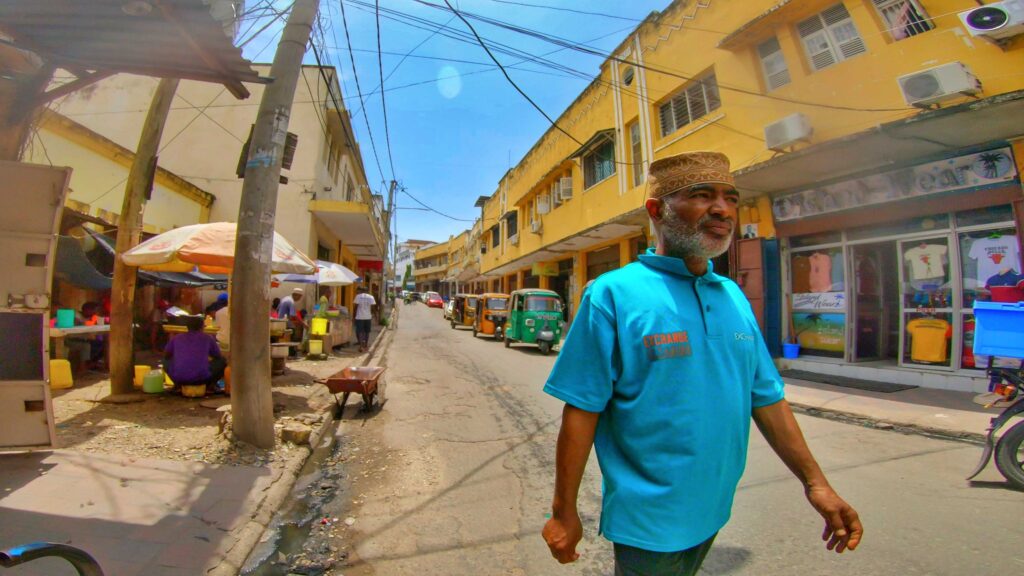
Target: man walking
{"x": 661, "y": 373}
{"x": 365, "y": 304}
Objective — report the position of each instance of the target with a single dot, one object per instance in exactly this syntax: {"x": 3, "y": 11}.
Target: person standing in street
{"x": 365, "y": 307}
{"x": 662, "y": 371}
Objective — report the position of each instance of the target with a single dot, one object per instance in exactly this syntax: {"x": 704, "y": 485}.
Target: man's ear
{"x": 654, "y": 207}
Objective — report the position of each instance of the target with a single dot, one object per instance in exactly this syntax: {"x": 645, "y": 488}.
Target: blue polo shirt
{"x": 674, "y": 363}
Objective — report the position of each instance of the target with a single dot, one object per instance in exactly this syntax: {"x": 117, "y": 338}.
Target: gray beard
{"x": 684, "y": 241}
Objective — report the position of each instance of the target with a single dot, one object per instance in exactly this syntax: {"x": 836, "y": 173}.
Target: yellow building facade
{"x": 849, "y": 124}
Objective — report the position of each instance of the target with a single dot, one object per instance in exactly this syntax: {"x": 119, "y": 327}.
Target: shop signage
{"x": 950, "y": 175}
{"x": 545, "y": 269}
{"x": 819, "y": 301}
{"x": 823, "y": 332}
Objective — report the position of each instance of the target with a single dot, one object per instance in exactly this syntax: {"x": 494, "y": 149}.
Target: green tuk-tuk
{"x": 463, "y": 310}
{"x": 535, "y": 317}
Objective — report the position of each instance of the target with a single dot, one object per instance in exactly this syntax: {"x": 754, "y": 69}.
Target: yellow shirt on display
{"x": 929, "y": 341}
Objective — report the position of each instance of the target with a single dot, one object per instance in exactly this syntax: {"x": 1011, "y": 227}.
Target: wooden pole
{"x": 251, "y": 398}
{"x": 129, "y": 229}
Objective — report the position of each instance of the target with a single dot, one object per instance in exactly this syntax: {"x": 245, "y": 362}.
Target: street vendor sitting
{"x": 193, "y": 357}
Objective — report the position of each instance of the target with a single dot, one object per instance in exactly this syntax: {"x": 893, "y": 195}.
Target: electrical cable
{"x": 561, "y": 9}
{"x": 383, "y": 101}
{"x": 362, "y": 101}
{"x": 425, "y": 207}
{"x": 267, "y": 25}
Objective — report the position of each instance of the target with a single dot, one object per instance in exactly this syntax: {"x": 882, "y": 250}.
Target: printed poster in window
{"x": 825, "y": 333}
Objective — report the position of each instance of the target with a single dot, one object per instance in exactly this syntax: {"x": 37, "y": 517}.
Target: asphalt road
{"x": 454, "y": 477}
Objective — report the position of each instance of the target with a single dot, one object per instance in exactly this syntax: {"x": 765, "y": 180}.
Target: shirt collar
{"x": 677, "y": 267}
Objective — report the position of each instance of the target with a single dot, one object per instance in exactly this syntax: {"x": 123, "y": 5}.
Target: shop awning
{"x": 107, "y": 243}
{"x": 933, "y": 133}
{"x": 598, "y": 138}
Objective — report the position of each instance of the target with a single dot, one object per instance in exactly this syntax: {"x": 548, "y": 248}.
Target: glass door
{"x": 868, "y": 301}
{"x": 926, "y": 306}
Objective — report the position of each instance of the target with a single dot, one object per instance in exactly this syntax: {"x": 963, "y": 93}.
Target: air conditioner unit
{"x": 788, "y": 131}
{"x": 565, "y": 188}
{"x": 535, "y": 226}
{"x": 543, "y": 204}
{"x": 996, "y": 21}
{"x": 938, "y": 84}
{"x": 514, "y": 239}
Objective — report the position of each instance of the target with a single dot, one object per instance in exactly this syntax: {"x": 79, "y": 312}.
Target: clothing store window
{"x": 927, "y": 301}
{"x": 991, "y": 270}
{"x": 819, "y": 300}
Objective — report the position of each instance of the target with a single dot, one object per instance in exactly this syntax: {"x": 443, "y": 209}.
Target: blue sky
{"x": 463, "y": 126}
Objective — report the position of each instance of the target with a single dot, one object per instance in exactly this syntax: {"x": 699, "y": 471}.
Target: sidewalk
{"x": 922, "y": 410}
{"x": 141, "y": 516}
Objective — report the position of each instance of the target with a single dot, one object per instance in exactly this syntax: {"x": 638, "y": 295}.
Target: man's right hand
{"x": 562, "y": 534}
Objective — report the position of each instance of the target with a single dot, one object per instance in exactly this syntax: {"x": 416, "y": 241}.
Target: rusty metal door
{"x": 750, "y": 274}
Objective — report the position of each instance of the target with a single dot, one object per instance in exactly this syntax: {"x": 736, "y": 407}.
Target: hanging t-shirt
{"x": 801, "y": 275}
{"x": 867, "y": 276}
{"x": 821, "y": 272}
{"x": 929, "y": 340}
{"x": 995, "y": 255}
{"x": 1006, "y": 287}
{"x": 926, "y": 261}
{"x": 837, "y": 271}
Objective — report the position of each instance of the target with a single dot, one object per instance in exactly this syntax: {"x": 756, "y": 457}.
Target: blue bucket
{"x": 790, "y": 350}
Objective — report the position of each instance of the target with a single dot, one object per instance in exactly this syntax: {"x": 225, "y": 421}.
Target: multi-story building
{"x": 430, "y": 267}
{"x": 864, "y": 135}
{"x": 405, "y": 257}
{"x": 324, "y": 207}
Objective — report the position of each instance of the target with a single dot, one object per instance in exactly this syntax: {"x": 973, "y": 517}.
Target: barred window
{"x": 598, "y": 164}
{"x": 903, "y": 18}
{"x": 692, "y": 102}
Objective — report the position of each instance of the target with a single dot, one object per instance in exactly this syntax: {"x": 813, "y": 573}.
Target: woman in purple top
{"x": 193, "y": 357}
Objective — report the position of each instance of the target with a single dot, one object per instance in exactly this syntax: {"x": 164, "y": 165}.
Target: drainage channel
{"x": 289, "y": 549}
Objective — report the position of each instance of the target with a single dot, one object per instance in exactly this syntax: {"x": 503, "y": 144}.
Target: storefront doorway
{"x": 875, "y": 297}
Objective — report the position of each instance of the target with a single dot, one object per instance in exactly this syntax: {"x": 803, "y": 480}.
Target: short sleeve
{"x": 589, "y": 363}
{"x": 975, "y": 250}
{"x": 767, "y": 388}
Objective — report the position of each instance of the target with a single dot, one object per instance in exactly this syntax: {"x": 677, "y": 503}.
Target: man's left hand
{"x": 843, "y": 530}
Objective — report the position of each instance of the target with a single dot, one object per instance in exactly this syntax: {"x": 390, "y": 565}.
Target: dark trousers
{"x": 363, "y": 331}
{"x": 630, "y": 561}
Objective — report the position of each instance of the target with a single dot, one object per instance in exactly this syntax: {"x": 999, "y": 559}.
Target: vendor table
{"x": 57, "y": 335}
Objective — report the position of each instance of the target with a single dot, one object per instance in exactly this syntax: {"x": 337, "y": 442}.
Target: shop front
{"x": 881, "y": 272}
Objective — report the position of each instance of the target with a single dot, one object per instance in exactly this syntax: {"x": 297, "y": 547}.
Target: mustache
{"x": 708, "y": 218}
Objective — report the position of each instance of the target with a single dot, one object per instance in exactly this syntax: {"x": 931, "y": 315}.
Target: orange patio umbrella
{"x": 211, "y": 249}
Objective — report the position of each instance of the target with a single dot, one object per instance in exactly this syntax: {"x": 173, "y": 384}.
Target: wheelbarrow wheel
{"x": 1010, "y": 455}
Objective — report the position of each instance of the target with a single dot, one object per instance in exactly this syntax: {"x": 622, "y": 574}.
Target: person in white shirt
{"x": 222, "y": 318}
{"x": 365, "y": 304}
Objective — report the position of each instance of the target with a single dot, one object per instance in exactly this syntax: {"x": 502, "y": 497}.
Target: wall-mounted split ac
{"x": 938, "y": 84}
{"x": 788, "y": 131}
{"x": 535, "y": 226}
{"x": 995, "y": 21}
{"x": 514, "y": 239}
{"x": 543, "y": 204}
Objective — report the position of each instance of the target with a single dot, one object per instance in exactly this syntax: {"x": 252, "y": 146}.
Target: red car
{"x": 434, "y": 300}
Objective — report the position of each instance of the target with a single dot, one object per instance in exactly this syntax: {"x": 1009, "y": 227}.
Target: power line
{"x": 509, "y": 78}
{"x": 383, "y": 101}
{"x": 267, "y": 25}
{"x": 561, "y": 9}
{"x": 428, "y": 208}
{"x": 359, "y": 90}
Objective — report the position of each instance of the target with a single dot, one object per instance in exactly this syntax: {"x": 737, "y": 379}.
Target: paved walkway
{"x": 141, "y": 516}
{"x": 941, "y": 412}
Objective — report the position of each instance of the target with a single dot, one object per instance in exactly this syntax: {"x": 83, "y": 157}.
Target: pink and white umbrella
{"x": 211, "y": 248}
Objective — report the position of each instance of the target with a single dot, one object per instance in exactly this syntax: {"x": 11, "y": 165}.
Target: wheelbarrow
{"x": 367, "y": 381}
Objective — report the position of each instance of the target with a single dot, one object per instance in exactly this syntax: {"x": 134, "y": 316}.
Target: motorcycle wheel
{"x": 545, "y": 347}
{"x": 453, "y": 324}
{"x": 508, "y": 343}
{"x": 1010, "y": 455}
{"x": 474, "y": 332}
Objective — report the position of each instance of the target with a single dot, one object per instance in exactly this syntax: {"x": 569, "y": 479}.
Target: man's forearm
{"x": 779, "y": 427}
{"x": 575, "y": 440}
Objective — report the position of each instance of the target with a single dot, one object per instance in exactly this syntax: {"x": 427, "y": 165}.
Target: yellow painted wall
{"x": 865, "y": 84}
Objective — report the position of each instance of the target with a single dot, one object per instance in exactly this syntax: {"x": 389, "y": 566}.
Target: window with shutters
{"x": 773, "y": 64}
{"x": 598, "y": 164}
{"x": 692, "y": 102}
{"x": 903, "y": 18}
{"x": 636, "y": 154}
{"x": 495, "y": 235}
{"x": 830, "y": 37}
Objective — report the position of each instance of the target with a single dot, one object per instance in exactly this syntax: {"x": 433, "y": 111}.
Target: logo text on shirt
{"x": 667, "y": 345}
{"x": 743, "y": 336}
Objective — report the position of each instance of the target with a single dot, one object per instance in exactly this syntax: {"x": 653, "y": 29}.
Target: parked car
{"x": 434, "y": 300}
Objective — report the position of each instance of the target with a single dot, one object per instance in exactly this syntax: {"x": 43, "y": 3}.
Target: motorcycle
{"x": 999, "y": 331}
{"x": 1005, "y": 385}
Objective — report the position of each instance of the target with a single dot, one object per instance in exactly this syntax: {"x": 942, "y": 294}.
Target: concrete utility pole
{"x": 387, "y": 245}
{"x": 252, "y": 404}
{"x": 129, "y": 229}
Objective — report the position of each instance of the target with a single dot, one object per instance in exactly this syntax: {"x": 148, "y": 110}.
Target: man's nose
{"x": 722, "y": 207}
